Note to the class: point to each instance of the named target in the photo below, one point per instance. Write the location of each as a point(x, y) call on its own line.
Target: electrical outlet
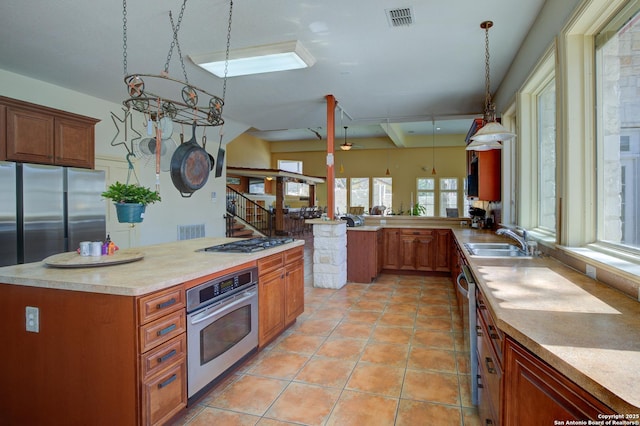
point(591, 271)
point(32, 316)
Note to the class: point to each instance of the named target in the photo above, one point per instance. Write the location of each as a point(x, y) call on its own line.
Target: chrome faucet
point(522, 240)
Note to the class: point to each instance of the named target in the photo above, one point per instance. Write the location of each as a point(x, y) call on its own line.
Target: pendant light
point(492, 132)
point(433, 147)
point(345, 146)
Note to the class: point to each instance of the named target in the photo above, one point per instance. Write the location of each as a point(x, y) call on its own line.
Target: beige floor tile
point(317, 327)
point(435, 310)
point(399, 308)
point(412, 413)
point(433, 339)
point(403, 319)
point(300, 343)
point(303, 403)
point(433, 323)
point(369, 305)
point(386, 334)
point(269, 422)
point(356, 408)
point(367, 317)
point(408, 290)
point(279, 364)
point(381, 297)
point(430, 386)
point(213, 416)
point(346, 349)
point(328, 313)
point(250, 394)
point(354, 330)
point(330, 372)
point(422, 358)
point(378, 379)
point(387, 354)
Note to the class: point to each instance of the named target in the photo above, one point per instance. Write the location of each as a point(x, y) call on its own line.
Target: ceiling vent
point(400, 17)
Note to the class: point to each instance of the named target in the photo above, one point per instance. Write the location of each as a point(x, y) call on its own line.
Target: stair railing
point(249, 211)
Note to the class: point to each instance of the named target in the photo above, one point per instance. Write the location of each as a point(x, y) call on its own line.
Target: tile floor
point(386, 353)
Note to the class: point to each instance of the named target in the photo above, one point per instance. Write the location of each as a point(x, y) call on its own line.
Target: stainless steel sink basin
point(495, 250)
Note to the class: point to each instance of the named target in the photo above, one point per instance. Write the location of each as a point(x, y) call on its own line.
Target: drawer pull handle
point(167, 330)
point(492, 332)
point(479, 381)
point(479, 331)
point(166, 356)
point(488, 422)
point(490, 367)
point(167, 382)
point(166, 304)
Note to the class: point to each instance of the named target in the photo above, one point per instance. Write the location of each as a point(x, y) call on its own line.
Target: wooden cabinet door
point(270, 306)
point(442, 258)
point(293, 291)
point(379, 251)
point(489, 175)
point(407, 252)
point(391, 243)
point(74, 143)
point(425, 248)
point(537, 394)
point(29, 136)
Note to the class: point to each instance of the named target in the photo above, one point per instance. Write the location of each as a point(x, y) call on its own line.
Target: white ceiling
point(380, 75)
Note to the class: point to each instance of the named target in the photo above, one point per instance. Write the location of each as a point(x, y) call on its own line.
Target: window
point(427, 195)
point(359, 193)
point(618, 131)
point(340, 196)
point(382, 191)
point(295, 189)
point(448, 195)
point(546, 101)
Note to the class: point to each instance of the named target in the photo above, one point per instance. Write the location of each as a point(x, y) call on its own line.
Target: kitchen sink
point(495, 250)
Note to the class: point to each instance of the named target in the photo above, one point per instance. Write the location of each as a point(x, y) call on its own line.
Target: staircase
point(245, 218)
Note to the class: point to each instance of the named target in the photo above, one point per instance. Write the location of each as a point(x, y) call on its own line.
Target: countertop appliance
point(466, 286)
point(46, 210)
point(353, 220)
point(250, 245)
point(222, 327)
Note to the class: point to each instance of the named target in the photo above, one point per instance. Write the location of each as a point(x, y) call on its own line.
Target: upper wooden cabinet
point(37, 134)
point(483, 169)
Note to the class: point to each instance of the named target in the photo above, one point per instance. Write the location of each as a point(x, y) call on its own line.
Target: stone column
point(329, 253)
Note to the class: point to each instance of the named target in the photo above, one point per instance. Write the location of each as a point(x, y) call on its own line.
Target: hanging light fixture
point(492, 132)
point(433, 147)
point(345, 146)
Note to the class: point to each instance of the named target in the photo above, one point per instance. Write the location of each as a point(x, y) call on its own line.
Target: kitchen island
point(110, 341)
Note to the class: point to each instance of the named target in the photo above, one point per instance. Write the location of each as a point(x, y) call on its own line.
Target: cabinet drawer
point(158, 304)
point(495, 336)
point(164, 395)
point(293, 255)
point(164, 356)
point(270, 263)
point(489, 368)
point(162, 330)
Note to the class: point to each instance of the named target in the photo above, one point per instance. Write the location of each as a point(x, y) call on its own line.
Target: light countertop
point(162, 266)
point(584, 329)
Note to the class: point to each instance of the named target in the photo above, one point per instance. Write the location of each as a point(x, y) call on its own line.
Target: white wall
point(161, 219)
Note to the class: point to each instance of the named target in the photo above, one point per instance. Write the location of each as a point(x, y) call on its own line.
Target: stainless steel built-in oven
point(222, 326)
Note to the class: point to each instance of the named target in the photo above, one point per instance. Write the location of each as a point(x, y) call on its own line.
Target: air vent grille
point(188, 232)
point(401, 17)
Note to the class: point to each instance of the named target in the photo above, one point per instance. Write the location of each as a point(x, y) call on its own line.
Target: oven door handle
point(461, 289)
point(248, 295)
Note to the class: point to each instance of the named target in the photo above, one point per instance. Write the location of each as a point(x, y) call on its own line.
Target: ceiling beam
point(395, 134)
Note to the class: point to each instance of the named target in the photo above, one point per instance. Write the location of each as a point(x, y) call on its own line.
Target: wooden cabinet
point(483, 169)
point(490, 368)
point(536, 394)
point(364, 255)
point(163, 354)
point(280, 293)
point(37, 134)
point(422, 250)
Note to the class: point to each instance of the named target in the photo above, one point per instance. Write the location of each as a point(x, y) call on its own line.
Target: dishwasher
point(466, 286)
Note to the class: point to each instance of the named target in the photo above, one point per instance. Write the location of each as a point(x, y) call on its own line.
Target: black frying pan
point(220, 159)
point(190, 166)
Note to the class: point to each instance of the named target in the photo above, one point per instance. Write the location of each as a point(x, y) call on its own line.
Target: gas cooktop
point(250, 245)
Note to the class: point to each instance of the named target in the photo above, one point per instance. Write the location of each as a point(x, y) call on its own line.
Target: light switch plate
point(32, 318)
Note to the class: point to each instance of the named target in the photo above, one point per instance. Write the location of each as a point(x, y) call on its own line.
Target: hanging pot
point(220, 159)
point(204, 145)
point(190, 166)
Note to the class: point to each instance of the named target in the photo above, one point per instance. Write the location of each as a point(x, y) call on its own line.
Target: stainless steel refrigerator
point(47, 210)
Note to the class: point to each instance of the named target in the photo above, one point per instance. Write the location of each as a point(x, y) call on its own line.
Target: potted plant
point(418, 210)
point(130, 200)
